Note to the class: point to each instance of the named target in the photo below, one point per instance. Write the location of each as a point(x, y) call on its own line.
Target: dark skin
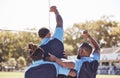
point(81, 52)
point(59, 23)
point(59, 20)
point(72, 73)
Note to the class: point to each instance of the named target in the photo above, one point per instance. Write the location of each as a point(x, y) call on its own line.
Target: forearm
point(94, 43)
point(64, 64)
point(59, 19)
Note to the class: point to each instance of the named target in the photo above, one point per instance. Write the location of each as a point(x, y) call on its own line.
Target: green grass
point(21, 75)
point(11, 75)
point(108, 76)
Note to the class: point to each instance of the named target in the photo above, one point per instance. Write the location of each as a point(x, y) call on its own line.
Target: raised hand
point(85, 34)
point(53, 9)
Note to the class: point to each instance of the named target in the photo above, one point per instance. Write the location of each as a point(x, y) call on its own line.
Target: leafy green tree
point(12, 44)
point(104, 30)
point(12, 62)
point(21, 62)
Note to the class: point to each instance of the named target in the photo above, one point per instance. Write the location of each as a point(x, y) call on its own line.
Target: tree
point(12, 62)
point(12, 44)
point(104, 30)
point(21, 62)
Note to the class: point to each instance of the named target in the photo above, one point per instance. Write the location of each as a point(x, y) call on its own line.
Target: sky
point(24, 14)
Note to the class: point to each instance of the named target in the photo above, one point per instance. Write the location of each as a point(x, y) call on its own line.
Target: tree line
point(104, 30)
point(12, 43)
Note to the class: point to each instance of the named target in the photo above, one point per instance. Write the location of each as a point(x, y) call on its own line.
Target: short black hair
point(43, 32)
point(87, 47)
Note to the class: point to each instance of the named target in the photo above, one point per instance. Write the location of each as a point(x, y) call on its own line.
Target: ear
point(82, 52)
point(39, 38)
point(48, 35)
point(42, 55)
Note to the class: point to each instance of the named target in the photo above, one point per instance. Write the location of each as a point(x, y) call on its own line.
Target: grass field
point(108, 76)
point(21, 75)
point(11, 75)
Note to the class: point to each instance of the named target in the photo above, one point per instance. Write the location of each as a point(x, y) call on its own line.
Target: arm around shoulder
point(67, 64)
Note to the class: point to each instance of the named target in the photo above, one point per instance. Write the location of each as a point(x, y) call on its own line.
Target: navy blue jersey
point(42, 71)
point(89, 69)
point(54, 47)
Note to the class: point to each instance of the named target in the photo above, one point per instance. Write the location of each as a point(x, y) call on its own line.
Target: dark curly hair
point(36, 52)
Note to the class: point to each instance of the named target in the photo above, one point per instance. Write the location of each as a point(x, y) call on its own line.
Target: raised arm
point(59, 19)
point(92, 41)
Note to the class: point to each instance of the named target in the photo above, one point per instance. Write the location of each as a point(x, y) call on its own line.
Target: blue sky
point(22, 14)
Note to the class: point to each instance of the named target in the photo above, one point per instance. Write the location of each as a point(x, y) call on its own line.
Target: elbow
point(73, 73)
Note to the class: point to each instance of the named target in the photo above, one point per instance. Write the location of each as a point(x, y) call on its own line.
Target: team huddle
point(50, 61)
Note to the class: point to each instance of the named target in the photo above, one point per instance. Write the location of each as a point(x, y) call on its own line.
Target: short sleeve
point(78, 64)
point(96, 56)
point(58, 33)
point(63, 70)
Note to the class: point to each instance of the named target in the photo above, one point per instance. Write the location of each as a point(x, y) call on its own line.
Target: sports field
point(21, 75)
point(11, 75)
